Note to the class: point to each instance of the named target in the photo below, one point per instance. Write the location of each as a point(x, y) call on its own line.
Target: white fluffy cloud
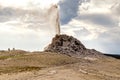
point(28, 4)
point(27, 24)
point(97, 25)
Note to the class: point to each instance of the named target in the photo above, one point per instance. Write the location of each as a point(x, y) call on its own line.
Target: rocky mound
point(70, 46)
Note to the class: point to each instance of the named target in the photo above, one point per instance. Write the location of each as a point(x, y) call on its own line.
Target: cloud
point(110, 41)
point(26, 40)
point(5, 14)
point(116, 9)
point(97, 25)
point(33, 19)
point(112, 5)
point(22, 26)
point(100, 19)
point(95, 36)
point(31, 22)
point(28, 4)
point(68, 10)
point(82, 32)
point(111, 35)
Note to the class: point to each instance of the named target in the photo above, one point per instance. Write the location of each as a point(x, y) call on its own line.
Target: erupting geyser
point(57, 22)
point(55, 18)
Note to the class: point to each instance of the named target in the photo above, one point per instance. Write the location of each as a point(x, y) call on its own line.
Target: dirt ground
point(69, 72)
point(47, 74)
point(105, 68)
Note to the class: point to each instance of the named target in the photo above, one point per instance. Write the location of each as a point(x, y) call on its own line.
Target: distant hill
point(113, 55)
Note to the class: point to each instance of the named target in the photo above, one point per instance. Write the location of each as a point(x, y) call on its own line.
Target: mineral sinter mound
point(70, 46)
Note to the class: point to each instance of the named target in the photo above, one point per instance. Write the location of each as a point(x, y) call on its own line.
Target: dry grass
point(17, 69)
point(105, 68)
point(17, 62)
point(11, 54)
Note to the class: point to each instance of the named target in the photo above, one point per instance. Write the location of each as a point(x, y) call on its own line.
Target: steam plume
point(55, 15)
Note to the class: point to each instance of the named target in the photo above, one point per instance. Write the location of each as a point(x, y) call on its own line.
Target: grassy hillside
point(54, 66)
point(18, 61)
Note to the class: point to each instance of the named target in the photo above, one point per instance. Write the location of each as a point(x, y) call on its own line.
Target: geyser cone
point(70, 46)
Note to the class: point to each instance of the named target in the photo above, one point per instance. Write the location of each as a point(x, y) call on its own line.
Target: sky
point(30, 24)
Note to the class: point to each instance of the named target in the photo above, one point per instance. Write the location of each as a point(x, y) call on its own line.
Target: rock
point(70, 46)
point(52, 72)
point(83, 71)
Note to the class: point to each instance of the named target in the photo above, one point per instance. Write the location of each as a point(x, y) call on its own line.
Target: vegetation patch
point(20, 62)
point(17, 69)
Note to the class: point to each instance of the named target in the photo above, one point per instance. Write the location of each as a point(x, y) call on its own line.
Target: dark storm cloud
point(68, 10)
point(99, 19)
